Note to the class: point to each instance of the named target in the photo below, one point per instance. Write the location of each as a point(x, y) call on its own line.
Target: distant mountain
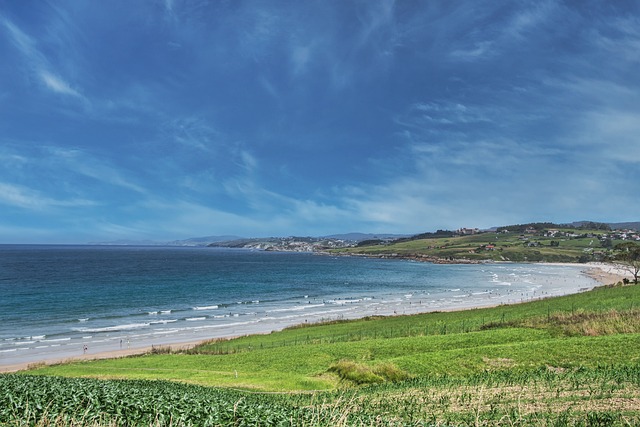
point(625, 225)
point(613, 225)
point(194, 241)
point(127, 242)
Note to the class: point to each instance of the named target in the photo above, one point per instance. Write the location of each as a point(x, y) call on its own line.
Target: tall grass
point(604, 395)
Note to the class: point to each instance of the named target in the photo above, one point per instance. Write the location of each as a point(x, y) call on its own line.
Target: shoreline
point(600, 273)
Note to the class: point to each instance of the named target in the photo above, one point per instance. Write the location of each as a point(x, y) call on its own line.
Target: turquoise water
point(58, 299)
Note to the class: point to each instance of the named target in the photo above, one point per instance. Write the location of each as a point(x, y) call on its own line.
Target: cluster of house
point(467, 231)
point(611, 235)
point(627, 235)
point(293, 244)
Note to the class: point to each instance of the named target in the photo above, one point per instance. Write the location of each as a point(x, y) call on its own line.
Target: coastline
point(600, 273)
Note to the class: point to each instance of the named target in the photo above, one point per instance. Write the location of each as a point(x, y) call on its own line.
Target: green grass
point(569, 360)
point(523, 336)
point(309, 367)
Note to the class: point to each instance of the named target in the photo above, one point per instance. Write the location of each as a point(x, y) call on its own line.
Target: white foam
point(116, 328)
point(194, 319)
point(164, 332)
point(163, 322)
point(207, 307)
point(296, 308)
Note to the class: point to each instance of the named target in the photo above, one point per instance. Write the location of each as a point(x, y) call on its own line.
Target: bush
point(358, 373)
point(390, 372)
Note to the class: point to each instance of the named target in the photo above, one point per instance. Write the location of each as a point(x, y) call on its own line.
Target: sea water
point(62, 301)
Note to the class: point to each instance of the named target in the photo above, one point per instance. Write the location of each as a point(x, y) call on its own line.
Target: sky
point(171, 119)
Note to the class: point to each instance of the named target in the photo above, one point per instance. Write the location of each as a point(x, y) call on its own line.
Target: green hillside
point(546, 244)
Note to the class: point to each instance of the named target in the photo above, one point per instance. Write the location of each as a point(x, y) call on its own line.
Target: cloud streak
point(37, 61)
point(57, 85)
point(27, 198)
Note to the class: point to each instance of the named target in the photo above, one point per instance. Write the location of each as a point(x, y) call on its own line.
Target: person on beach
point(84, 349)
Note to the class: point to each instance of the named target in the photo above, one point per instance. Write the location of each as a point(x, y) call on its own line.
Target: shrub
point(354, 372)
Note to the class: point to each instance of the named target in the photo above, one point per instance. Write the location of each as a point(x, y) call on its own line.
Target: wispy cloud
point(603, 117)
point(180, 218)
point(22, 41)
point(40, 65)
point(192, 132)
point(57, 85)
point(496, 30)
point(530, 18)
point(83, 163)
point(481, 49)
point(27, 198)
point(444, 113)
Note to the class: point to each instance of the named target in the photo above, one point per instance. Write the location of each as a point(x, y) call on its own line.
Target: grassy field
point(511, 246)
point(570, 360)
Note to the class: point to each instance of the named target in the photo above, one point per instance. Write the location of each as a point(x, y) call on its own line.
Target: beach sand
point(607, 274)
point(94, 356)
point(602, 273)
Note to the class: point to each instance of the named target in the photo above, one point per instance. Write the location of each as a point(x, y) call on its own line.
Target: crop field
point(603, 396)
point(571, 360)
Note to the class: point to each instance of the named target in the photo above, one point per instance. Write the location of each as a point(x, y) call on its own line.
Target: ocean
point(62, 301)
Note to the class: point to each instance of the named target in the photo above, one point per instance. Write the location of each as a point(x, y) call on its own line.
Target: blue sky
point(174, 119)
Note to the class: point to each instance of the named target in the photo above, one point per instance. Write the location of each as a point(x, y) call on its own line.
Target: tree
point(629, 257)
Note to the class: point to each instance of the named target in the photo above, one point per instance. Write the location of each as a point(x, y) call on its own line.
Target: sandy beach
point(607, 274)
point(601, 273)
point(94, 356)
